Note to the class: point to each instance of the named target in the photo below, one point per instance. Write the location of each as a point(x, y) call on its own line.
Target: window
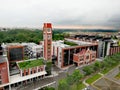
point(44, 37)
point(49, 36)
point(93, 56)
point(87, 57)
point(81, 59)
point(39, 70)
point(26, 73)
point(22, 74)
point(31, 72)
point(0, 82)
point(34, 71)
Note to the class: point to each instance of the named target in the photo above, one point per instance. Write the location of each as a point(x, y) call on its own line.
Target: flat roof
point(29, 63)
point(70, 43)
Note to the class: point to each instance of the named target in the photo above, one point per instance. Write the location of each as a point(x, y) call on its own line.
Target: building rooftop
point(78, 42)
point(30, 63)
point(70, 43)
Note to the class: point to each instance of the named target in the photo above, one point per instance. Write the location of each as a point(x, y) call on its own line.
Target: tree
point(97, 66)
point(63, 85)
point(77, 75)
point(88, 70)
point(48, 67)
point(74, 78)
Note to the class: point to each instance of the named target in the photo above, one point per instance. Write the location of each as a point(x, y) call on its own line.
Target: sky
point(61, 13)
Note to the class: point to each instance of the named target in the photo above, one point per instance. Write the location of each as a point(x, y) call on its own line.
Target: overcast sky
point(33, 13)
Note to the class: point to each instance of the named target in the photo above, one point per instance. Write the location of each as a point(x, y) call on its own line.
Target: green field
point(93, 78)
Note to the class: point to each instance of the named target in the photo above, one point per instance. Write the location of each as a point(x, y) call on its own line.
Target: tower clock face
point(49, 30)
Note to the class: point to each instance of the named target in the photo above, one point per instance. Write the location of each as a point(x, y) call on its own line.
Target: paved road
point(111, 75)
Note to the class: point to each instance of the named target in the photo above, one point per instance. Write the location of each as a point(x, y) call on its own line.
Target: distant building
point(47, 36)
point(84, 57)
point(104, 43)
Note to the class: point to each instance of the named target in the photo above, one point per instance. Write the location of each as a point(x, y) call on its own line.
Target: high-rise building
point(47, 36)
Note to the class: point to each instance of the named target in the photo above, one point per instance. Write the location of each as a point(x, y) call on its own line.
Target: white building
point(33, 50)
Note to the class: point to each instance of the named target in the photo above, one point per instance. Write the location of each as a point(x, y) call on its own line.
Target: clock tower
point(47, 36)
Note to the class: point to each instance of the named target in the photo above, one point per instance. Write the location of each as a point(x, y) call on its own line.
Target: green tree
point(63, 85)
point(97, 66)
point(88, 70)
point(48, 67)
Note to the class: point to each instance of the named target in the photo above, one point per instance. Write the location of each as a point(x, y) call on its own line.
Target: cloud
point(33, 13)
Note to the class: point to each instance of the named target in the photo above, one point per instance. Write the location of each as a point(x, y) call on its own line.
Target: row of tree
point(26, 35)
point(107, 63)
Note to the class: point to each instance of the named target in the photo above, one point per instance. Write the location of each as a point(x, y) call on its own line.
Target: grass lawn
point(117, 76)
point(80, 86)
point(93, 78)
point(30, 64)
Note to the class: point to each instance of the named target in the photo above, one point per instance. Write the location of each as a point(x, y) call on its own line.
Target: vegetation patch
point(30, 63)
point(47, 88)
point(117, 76)
point(71, 82)
point(70, 43)
point(93, 78)
point(78, 86)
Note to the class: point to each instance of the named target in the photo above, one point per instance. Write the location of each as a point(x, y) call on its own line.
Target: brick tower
point(47, 36)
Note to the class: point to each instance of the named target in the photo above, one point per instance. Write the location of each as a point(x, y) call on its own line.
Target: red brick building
point(47, 36)
point(65, 52)
point(84, 57)
point(114, 49)
point(4, 75)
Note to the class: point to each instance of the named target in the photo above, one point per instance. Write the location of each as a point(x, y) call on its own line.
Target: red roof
point(83, 51)
point(47, 25)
